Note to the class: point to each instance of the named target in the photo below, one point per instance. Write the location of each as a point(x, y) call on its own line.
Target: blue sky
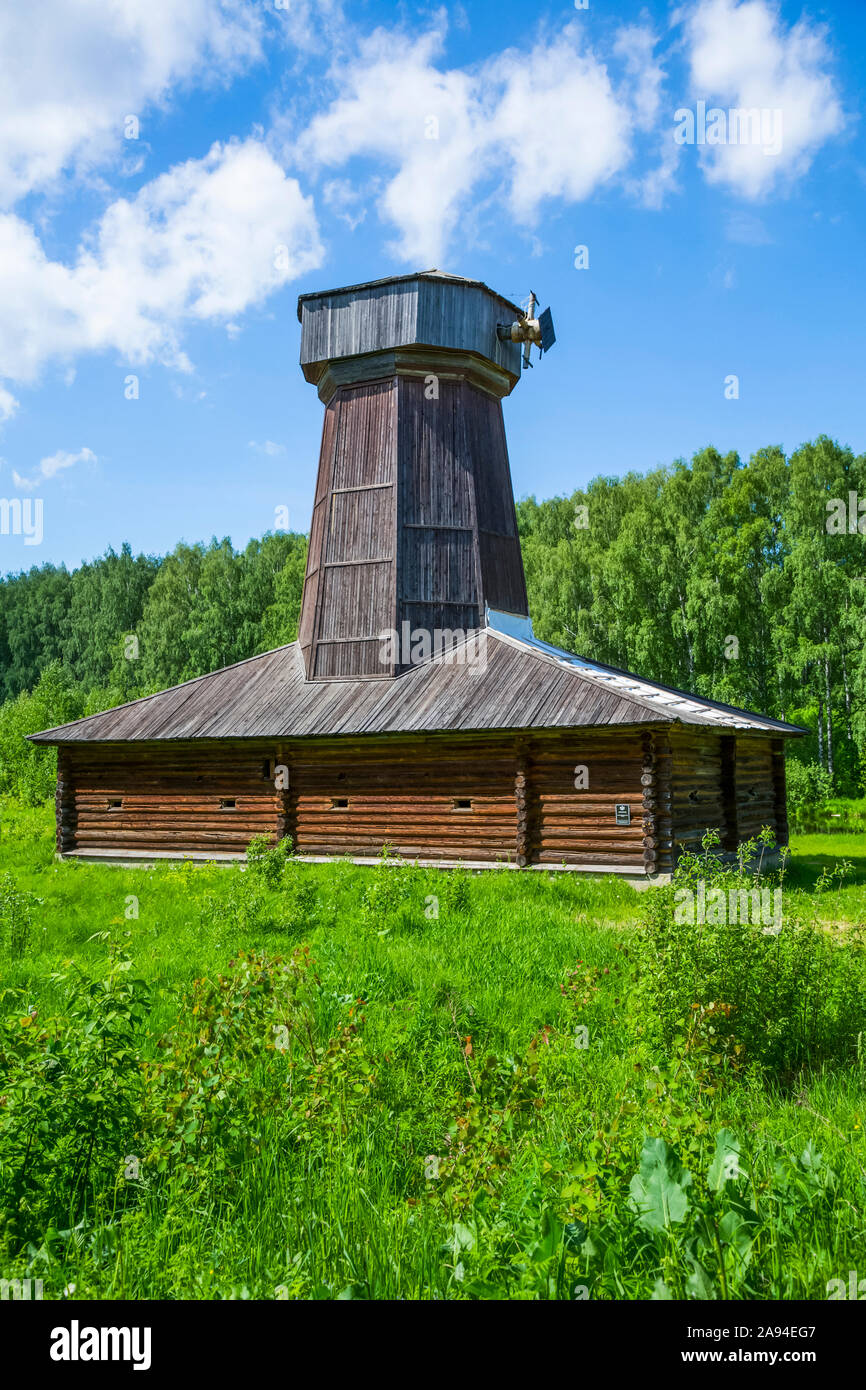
point(280, 148)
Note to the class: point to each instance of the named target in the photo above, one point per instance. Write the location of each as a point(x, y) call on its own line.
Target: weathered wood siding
point(696, 784)
point(450, 313)
point(503, 584)
point(579, 827)
point(756, 798)
point(413, 522)
point(480, 798)
point(407, 797)
point(731, 783)
point(349, 590)
point(170, 798)
point(438, 574)
point(458, 542)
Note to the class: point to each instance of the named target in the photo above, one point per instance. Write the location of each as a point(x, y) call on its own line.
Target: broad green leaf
point(725, 1166)
point(661, 1292)
point(699, 1284)
point(659, 1190)
point(738, 1229)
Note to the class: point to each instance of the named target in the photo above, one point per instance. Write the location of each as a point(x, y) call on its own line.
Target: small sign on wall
point(623, 813)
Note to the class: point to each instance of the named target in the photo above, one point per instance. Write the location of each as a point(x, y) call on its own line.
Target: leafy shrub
point(231, 1062)
point(340, 1084)
point(243, 1064)
point(456, 891)
point(505, 1093)
point(705, 1230)
point(783, 994)
point(27, 770)
point(69, 1094)
point(809, 785)
point(267, 862)
point(16, 916)
point(272, 895)
point(391, 899)
point(300, 901)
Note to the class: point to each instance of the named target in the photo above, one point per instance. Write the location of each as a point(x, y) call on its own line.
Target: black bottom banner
point(47, 1342)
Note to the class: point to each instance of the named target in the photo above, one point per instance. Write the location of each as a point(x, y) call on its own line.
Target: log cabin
point(417, 710)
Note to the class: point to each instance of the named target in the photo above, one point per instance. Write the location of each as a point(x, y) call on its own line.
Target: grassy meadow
point(327, 1081)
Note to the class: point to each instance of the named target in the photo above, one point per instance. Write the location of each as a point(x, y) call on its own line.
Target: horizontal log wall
point(170, 797)
point(404, 795)
point(524, 806)
point(756, 791)
point(726, 782)
point(697, 789)
point(578, 826)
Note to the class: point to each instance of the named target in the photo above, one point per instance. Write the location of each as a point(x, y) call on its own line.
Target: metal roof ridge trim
point(665, 696)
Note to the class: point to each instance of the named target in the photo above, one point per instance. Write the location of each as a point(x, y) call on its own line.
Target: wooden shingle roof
point(513, 684)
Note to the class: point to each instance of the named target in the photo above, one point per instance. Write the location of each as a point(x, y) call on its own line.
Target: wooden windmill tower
point(413, 524)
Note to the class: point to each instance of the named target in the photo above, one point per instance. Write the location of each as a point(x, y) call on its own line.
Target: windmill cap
point(420, 318)
point(433, 274)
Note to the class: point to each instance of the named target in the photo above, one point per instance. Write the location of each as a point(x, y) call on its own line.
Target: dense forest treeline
point(197, 609)
point(743, 582)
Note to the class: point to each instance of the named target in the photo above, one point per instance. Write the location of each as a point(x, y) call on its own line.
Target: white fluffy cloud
point(8, 405)
point(635, 45)
point(545, 124)
point(434, 149)
point(52, 465)
point(204, 241)
point(72, 70)
point(313, 25)
point(741, 55)
point(645, 75)
point(560, 121)
point(269, 448)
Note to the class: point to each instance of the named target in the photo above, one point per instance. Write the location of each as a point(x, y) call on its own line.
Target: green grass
point(815, 856)
point(329, 1198)
point(839, 815)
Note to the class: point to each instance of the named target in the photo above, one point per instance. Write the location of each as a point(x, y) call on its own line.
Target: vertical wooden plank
point(523, 799)
point(779, 791)
point(64, 803)
point(730, 812)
